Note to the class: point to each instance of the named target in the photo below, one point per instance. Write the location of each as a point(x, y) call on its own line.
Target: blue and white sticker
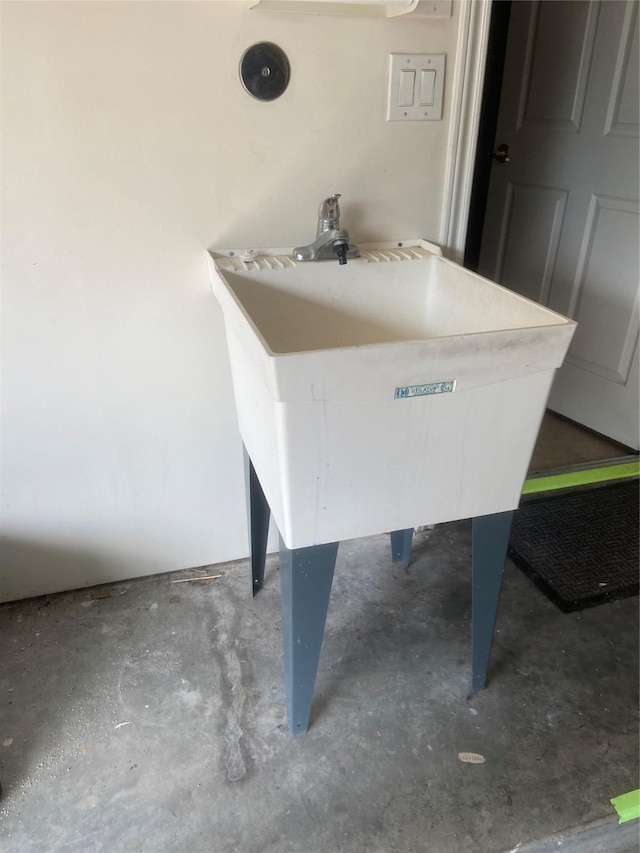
point(446, 387)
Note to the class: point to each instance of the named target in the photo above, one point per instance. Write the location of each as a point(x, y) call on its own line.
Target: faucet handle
point(329, 214)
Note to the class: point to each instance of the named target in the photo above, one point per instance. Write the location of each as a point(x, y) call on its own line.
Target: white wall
point(128, 147)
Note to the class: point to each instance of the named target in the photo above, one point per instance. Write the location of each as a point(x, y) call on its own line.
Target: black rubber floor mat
point(580, 549)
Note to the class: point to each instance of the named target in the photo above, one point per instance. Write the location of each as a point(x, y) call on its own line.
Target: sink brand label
point(446, 387)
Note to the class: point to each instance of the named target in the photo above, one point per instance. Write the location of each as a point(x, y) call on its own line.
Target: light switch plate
point(428, 88)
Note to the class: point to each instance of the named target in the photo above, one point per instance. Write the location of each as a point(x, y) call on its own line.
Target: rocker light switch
point(416, 86)
point(407, 86)
point(427, 87)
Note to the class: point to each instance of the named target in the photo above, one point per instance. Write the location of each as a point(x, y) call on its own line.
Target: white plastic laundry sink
point(398, 390)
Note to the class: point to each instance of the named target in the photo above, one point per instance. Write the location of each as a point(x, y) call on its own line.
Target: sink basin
point(396, 391)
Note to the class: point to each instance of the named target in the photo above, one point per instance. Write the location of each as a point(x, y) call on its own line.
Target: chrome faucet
point(331, 240)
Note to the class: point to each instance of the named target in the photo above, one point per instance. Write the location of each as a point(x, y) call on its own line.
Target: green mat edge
point(570, 479)
point(627, 806)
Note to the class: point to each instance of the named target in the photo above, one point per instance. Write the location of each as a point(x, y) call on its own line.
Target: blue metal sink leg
point(258, 514)
point(305, 586)
point(401, 541)
point(489, 552)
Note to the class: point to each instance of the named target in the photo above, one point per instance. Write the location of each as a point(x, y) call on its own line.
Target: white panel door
point(562, 222)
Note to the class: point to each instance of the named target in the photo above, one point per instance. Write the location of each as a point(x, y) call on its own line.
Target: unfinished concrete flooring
point(150, 716)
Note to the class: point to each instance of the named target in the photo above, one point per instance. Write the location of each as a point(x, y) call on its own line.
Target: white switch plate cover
point(399, 62)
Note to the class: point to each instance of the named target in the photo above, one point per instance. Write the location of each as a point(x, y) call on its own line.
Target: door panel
point(561, 224)
point(608, 254)
point(563, 72)
point(539, 210)
point(624, 103)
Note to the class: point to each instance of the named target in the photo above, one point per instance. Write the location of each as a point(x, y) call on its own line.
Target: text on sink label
point(446, 387)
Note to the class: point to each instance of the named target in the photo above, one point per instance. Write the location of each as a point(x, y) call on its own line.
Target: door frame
point(466, 103)
point(491, 99)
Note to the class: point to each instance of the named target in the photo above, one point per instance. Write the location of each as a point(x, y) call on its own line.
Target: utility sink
point(395, 391)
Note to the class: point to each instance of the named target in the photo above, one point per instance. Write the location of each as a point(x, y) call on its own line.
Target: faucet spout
point(341, 251)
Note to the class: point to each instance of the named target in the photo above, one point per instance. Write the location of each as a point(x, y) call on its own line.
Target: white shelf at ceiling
point(363, 8)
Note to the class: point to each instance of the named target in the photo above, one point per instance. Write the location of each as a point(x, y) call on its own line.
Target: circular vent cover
point(265, 71)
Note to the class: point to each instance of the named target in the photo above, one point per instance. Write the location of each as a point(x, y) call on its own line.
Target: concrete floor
point(149, 716)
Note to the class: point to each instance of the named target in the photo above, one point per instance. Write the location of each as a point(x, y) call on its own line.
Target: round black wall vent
point(265, 71)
